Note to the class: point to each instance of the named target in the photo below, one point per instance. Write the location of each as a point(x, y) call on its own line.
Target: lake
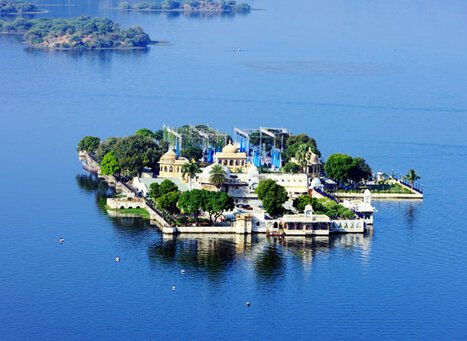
point(381, 80)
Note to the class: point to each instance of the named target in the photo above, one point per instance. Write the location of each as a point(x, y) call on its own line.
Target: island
point(9, 7)
point(81, 33)
point(196, 179)
point(188, 6)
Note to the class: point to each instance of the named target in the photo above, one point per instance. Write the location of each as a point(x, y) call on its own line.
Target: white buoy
point(248, 303)
point(182, 272)
point(61, 240)
point(239, 49)
point(173, 287)
point(117, 259)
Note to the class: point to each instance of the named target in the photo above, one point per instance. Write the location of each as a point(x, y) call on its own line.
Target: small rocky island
point(188, 6)
point(81, 33)
point(8, 7)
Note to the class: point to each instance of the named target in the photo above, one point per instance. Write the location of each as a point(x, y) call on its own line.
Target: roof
point(301, 218)
point(180, 184)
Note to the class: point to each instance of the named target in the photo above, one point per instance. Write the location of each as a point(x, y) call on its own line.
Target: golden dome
point(170, 156)
point(230, 148)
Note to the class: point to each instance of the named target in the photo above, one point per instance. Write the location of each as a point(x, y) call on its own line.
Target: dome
point(207, 171)
point(230, 148)
point(316, 182)
point(170, 156)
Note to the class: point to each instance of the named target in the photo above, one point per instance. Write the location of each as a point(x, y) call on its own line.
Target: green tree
point(411, 177)
point(302, 201)
point(217, 176)
point(216, 203)
point(291, 167)
point(155, 190)
point(110, 165)
point(337, 167)
point(168, 186)
point(360, 170)
point(89, 144)
point(192, 153)
point(134, 153)
point(301, 155)
point(293, 143)
point(192, 202)
point(169, 202)
point(145, 132)
point(159, 135)
point(272, 195)
point(190, 170)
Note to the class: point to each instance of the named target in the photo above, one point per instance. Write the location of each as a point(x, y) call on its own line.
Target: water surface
point(382, 80)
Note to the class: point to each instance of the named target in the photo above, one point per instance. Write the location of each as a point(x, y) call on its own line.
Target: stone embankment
point(414, 195)
point(156, 218)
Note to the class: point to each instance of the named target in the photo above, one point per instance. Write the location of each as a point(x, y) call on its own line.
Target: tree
point(133, 153)
point(216, 203)
point(343, 168)
point(323, 206)
point(192, 153)
point(291, 167)
point(412, 176)
point(190, 170)
point(110, 165)
point(360, 170)
point(301, 155)
point(337, 167)
point(272, 195)
point(89, 144)
point(169, 202)
point(192, 202)
point(155, 190)
point(217, 176)
point(168, 186)
point(293, 143)
point(145, 132)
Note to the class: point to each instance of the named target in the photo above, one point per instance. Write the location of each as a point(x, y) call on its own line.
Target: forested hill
point(187, 6)
point(17, 7)
point(76, 33)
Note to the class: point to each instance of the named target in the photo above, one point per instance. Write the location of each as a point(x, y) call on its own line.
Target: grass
point(389, 188)
point(140, 212)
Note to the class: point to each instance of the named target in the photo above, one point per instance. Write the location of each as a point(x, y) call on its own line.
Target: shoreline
point(24, 13)
point(129, 48)
point(181, 10)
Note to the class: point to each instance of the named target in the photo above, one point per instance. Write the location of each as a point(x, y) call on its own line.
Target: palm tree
point(217, 175)
point(302, 156)
point(411, 176)
point(189, 170)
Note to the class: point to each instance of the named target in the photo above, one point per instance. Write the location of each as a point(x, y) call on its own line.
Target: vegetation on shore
point(140, 212)
point(128, 156)
point(83, 33)
point(346, 169)
point(187, 6)
point(8, 7)
point(272, 196)
point(323, 206)
point(188, 204)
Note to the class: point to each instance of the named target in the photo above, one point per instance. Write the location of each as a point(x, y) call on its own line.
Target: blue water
point(378, 79)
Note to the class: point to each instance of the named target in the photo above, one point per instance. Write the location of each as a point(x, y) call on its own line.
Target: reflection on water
point(411, 211)
point(216, 255)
